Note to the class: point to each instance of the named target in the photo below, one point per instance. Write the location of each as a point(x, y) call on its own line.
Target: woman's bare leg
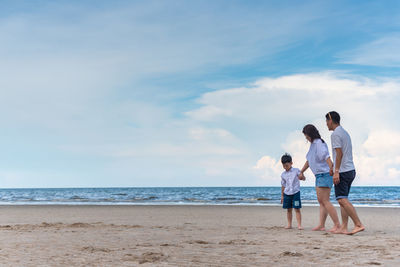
point(324, 193)
point(322, 212)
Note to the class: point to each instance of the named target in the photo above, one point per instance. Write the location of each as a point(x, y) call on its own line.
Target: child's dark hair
point(286, 158)
point(334, 116)
point(311, 131)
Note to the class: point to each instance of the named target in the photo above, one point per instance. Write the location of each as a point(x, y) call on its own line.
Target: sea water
point(359, 196)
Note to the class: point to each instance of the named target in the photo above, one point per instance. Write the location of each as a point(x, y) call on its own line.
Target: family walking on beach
point(339, 171)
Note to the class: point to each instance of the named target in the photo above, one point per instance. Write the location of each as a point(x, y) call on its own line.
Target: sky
point(193, 93)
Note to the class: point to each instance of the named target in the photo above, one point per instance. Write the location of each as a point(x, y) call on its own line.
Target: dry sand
point(189, 236)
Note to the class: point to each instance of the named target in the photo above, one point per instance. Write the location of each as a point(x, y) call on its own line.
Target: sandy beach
point(189, 236)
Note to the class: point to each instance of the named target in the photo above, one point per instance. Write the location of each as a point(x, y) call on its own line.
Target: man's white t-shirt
point(290, 180)
point(341, 139)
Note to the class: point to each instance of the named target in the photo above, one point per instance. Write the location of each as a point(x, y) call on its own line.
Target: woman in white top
point(320, 163)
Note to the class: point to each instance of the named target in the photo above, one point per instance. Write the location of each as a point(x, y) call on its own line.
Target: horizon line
point(128, 187)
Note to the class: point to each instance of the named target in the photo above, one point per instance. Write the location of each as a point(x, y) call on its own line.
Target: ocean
point(359, 195)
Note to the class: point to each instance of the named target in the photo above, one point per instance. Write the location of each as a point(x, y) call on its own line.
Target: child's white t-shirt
point(290, 180)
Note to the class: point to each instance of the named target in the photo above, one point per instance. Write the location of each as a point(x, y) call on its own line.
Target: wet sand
point(189, 236)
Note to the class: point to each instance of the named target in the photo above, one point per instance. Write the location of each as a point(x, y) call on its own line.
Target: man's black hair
point(286, 158)
point(334, 116)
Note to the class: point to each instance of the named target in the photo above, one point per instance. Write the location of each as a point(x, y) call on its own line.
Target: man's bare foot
point(319, 228)
point(300, 228)
point(357, 229)
point(288, 227)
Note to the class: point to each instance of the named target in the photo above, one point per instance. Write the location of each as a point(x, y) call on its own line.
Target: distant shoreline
point(177, 205)
point(180, 187)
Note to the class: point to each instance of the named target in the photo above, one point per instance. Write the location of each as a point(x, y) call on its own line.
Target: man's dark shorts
point(342, 189)
point(292, 201)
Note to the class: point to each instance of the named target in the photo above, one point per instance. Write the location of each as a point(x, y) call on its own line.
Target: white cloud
point(384, 51)
point(305, 96)
point(290, 102)
point(328, 82)
point(377, 160)
point(267, 168)
point(383, 143)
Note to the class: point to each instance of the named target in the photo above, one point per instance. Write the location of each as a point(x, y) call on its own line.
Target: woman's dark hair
point(311, 131)
point(286, 158)
point(334, 116)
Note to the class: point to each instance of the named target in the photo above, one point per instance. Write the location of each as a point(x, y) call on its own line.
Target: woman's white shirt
point(317, 156)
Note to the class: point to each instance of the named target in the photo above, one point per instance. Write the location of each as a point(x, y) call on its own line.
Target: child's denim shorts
point(292, 201)
point(323, 180)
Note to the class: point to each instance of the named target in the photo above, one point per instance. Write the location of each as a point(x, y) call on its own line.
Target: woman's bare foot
point(288, 227)
point(319, 228)
point(334, 229)
point(300, 228)
point(342, 231)
point(357, 229)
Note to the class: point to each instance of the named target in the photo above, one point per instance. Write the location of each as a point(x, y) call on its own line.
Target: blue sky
point(192, 93)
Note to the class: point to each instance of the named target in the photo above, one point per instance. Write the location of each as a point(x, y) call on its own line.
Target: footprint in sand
point(374, 263)
point(169, 245)
point(234, 242)
point(94, 249)
point(199, 242)
point(147, 257)
point(291, 254)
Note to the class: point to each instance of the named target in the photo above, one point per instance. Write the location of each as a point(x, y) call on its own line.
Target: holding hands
point(301, 176)
point(335, 173)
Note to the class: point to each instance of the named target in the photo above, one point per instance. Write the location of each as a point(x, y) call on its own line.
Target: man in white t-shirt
point(344, 172)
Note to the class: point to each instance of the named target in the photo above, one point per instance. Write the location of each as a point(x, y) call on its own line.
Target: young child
point(291, 190)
